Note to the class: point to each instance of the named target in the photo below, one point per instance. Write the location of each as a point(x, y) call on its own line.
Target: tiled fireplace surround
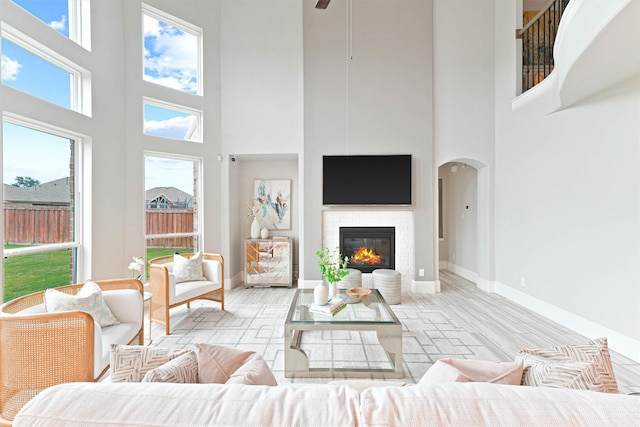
point(402, 220)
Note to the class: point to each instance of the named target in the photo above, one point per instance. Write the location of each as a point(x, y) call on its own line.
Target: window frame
point(80, 78)
point(198, 215)
point(79, 142)
point(173, 106)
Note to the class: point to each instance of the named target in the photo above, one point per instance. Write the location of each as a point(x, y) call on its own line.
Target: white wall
point(261, 119)
point(568, 203)
point(463, 80)
point(378, 102)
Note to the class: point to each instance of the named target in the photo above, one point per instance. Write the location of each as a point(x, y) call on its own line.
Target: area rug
point(428, 335)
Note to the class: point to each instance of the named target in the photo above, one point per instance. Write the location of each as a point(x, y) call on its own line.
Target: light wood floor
point(502, 326)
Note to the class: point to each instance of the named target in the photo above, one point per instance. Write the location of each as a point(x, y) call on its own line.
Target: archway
point(465, 221)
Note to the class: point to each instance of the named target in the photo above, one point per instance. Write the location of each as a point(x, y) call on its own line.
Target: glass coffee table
point(372, 313)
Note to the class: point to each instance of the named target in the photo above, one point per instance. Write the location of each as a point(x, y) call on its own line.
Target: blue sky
point(169, 60)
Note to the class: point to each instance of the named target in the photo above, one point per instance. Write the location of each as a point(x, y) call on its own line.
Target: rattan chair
point(168, 294)
point(40, 349)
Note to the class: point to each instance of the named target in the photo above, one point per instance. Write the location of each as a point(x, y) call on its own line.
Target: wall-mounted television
point(366, 180)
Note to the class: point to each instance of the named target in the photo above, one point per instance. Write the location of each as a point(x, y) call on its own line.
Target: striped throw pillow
point(130, 363)
point(182, 369)
point(594, 353)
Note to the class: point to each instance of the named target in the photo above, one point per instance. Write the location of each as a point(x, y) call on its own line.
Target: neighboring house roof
point(171, 194)
point(50, 193)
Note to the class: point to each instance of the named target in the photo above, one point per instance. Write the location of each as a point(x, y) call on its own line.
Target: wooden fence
point(52, 224)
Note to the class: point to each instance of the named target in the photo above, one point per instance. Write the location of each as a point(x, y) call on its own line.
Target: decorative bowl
point(358, 292)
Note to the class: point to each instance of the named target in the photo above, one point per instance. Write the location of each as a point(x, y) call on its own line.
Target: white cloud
point(10, 68)
point(170, 56)
point(59, 25)
point(175, 127)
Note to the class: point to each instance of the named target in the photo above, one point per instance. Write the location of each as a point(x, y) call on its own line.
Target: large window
point(172, 51)
point(33, 68)
point(172, 205)
point(40, 200)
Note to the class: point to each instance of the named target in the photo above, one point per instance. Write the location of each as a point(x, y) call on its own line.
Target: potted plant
point(333, 268)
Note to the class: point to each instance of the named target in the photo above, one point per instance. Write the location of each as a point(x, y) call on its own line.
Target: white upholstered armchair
point(172, 288)
point(40, 348)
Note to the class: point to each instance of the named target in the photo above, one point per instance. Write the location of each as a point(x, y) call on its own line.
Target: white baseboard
point(486, 285)
point(622, 344)
point(233, 282)
point(424, 286)
point(471, 276)
point(308, 284)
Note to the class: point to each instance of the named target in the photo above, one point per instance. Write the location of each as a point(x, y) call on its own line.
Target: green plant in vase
point(333, 267)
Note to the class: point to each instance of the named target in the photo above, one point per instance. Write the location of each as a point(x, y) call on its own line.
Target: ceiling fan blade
point(322, 4)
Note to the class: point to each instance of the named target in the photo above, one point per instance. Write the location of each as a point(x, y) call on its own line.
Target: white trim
point(486, 285)
point(471, 276)
point(425, 286)
point(308, 284)
point(622, 344)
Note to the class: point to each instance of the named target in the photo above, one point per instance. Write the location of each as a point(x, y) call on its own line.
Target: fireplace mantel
point(401, 220)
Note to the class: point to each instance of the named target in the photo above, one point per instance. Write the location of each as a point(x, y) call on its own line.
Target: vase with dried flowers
point(255, 225)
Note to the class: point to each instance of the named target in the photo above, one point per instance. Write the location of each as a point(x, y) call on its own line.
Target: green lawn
point(26, 274)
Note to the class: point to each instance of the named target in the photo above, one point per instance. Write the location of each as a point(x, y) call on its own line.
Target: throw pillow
point(88, 299)
point(183, 369)
point(188, 269)
point(130, 363)
point(463, 370)
point(226, 365)
point(595, 352)
point(579, 375)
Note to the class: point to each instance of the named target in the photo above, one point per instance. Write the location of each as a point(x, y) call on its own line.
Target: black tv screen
point(366, 180)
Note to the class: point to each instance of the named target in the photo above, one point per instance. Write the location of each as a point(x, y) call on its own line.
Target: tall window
point(172, 51)
point(172, 205)
point(40, 199)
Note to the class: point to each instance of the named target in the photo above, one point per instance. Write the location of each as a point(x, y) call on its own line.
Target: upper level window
point(172, 51)
point(171, 121)
point(54, 13)
point(69, 17)
point(33, 68)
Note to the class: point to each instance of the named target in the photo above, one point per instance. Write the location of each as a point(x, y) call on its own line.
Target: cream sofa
point(449, 404)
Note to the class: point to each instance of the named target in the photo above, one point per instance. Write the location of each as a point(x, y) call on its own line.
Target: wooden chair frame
point(44, 349)
point(159, 286)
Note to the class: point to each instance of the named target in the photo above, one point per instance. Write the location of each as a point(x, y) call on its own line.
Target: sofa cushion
point(164, 404)
point(463, 370)
point(88, 299)
point(595, 353)
point(188, 269)
point(183, 369)
point(227, 365)
point(130, 363)
point(486, 404)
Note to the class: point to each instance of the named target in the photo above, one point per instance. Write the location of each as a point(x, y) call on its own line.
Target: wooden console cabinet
point(268, 262)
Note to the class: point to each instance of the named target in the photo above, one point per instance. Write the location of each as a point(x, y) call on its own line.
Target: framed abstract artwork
point(272, 197)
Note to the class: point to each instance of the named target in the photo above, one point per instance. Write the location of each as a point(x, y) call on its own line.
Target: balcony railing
point(538, 37)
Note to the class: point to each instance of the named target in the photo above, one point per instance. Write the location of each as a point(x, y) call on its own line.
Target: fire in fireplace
point(368, 248)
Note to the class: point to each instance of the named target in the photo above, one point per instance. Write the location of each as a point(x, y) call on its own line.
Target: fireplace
point(369, 248)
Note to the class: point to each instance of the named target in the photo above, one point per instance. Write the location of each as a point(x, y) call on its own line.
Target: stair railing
point(538, 37)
